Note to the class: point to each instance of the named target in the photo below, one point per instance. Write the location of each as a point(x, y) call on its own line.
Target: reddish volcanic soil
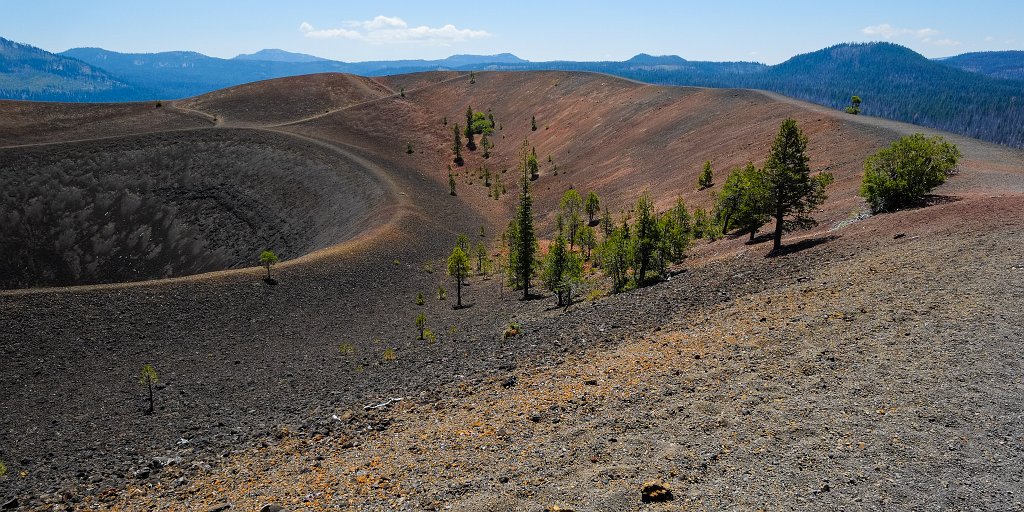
point(875, 366)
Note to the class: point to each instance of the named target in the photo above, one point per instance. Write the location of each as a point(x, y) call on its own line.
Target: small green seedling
point(268, 259)
point(148, 377)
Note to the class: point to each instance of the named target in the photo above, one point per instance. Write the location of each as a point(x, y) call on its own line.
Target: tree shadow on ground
point(759, 239)
point(929, 200)
point(533, 296)
point(801, 245)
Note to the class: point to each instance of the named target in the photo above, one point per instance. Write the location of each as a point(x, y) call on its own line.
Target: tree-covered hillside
point(897, 83)
point(29, 73)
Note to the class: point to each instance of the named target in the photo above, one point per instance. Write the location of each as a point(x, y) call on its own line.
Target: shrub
point(420, 300)
point(513, 329)
point(346, 348)
point(442, 294)
point(389, 354)
point(429, 336)
point(854, 107)
point(901, 175)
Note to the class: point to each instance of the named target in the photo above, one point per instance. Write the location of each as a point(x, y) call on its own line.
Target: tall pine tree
point(792, 192)
point(522, 239)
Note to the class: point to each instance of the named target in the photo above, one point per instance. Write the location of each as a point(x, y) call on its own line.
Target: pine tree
point(480, 251)
point(706, 178)
point(470, 142)
point(854, 107)
point(421, 324)
point(533, 123)
point(615, 258)
point(268, 259)
point(522, 239)
point(457, 147)
point(148, 377)
point(587, 240)
point(563, 271)
point(458, 269)
point(792, 191)
point(646, 239)
point(592, 206)
point(572, 208)
point(532, 165)
point(606, 223)
point(742, 203)
point(674, 226)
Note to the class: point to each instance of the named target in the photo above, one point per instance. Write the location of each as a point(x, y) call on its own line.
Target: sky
point(722, 30)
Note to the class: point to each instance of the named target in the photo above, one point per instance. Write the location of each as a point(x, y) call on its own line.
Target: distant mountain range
point(976, 94)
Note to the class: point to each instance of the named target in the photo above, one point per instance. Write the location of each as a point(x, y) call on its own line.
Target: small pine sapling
point(148, 377)
point(421, 324)
point(419, 299)
point(706, 178)
point(268, 259)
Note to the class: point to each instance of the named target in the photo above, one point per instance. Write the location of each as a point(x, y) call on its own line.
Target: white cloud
point(332, 33)
point(394, 30)
point(379, 22)
point(925, 35)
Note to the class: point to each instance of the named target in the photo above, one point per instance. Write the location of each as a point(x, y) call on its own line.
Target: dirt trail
point(362, 104)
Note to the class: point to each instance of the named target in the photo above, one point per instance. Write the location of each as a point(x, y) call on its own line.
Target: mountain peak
point(278, 55)
point(644, 59)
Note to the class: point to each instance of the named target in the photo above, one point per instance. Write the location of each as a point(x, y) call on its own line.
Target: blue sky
point(536, 30)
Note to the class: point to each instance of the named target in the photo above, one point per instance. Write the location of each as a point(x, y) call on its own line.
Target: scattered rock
point(220, 507)
point(271, 507)
point(509, 382)
point(556, 508)
point(162, 462)
point(10, 504)
point(142, 473)
point(655, 492)
point(897, 236)
point(590, 382)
